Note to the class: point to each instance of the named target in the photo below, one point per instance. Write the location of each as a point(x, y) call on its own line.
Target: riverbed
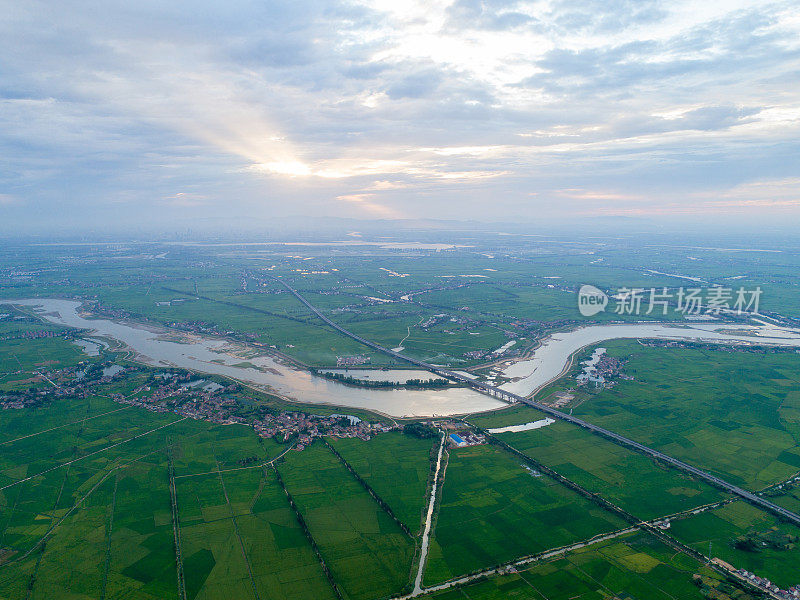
point(550, 359)
point(158, 347)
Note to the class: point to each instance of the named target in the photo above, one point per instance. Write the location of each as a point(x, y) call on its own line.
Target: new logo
point(591, 300)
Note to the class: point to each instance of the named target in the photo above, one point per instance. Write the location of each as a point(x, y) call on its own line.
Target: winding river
point(550, 359)
point(157, 346)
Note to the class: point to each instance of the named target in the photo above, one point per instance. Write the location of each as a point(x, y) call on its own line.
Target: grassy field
point(493, 510)
point(21, 359)
point(736, 414)
point(772, 549)
point(633, 566)
point(240, 538)
point(396, 466)
point(630, 480)
point(95, 513)
point(367, 552)
point(85, 502)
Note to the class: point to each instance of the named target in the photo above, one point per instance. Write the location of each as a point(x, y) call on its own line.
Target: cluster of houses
point(285, 425)
point(352, 361)
point(765, 584)
point(24, 334)
point(184, 394)
point(601, 369)
point(72, 382)
point(173, 395)
point(214, 403)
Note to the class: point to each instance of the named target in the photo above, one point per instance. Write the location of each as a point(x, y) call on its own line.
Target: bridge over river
point(512, 398)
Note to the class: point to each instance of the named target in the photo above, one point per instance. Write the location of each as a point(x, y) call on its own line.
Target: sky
point(152, 113)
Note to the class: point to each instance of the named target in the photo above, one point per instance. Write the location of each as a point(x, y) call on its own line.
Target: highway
point(509, 397)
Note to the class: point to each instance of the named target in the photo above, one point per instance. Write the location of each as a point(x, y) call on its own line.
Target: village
point(187, 395)
point(766, 584)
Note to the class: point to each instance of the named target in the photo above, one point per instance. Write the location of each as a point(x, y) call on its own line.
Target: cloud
point(491, 15)
point(366, 206)
point(487, 108)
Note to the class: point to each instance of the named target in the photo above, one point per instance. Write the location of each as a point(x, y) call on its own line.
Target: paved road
point(514, 398)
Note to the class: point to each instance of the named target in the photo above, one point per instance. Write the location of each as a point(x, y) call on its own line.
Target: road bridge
point(510, 397)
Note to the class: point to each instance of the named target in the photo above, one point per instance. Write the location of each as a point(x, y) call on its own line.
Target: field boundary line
point(90, 454)
point(83, 420)
point(506, 567)
point(35, 574)
point(646, 526)
point(236, 530)
point(258, 466)
point(304, 526)
point(49, 532)
point(110, 530)
point(378, 500)
point(176, 527)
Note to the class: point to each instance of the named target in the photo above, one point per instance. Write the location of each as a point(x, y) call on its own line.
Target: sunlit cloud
point(578, 194)
point(385, 185)
point(366, 206)
point(751, 197)
point(527, 108)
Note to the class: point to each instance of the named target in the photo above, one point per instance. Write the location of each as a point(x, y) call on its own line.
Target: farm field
point(22, 358)
point(632, 481)
point(493, 510)
point(736, 414)
point(87, 483)
point(631, 566)
point(397, 467)
point(367, 552)
point(241, 538)
point(746, 537)
point(100, 494)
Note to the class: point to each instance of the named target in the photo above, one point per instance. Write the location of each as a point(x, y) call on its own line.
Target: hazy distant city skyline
point(145, 112)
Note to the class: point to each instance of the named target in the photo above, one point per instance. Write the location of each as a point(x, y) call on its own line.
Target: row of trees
point(414, 383)
point(381, 502)
point(304, 527)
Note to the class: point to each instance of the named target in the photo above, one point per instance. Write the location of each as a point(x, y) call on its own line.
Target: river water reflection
point(214, 356)
point(219, 357)
point(551, 357)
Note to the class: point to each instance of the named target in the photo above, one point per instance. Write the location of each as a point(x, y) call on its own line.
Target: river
point(219, 357)
point(156, 346)
point(549, 359)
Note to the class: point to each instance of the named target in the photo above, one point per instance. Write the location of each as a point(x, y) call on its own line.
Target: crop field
point(22, 359)
point(527, 289)
point(746, 537)
point(788, 496)
point(367, 552)
point(494, 510)
point(240, 538)
point(513, 415)
point(630, 480)
point(274, 319)
point(736, 414)
point(85, 507)
point(631, 566)
point(397, 467)
point(87, 484)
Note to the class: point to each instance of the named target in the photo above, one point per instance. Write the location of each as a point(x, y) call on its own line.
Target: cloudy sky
point(156, 111)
